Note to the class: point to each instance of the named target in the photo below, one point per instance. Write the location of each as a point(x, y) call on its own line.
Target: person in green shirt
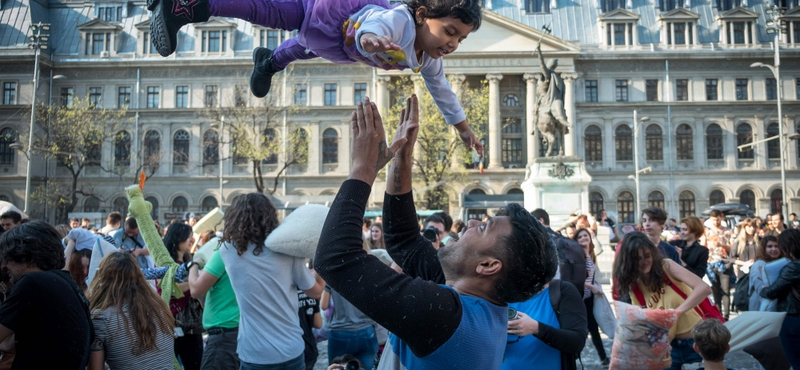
point(221, 312)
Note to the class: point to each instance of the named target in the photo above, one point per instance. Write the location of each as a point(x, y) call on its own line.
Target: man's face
point(85, 224)
point(460, 258)
point(7, 223)
point(73, 224)
point(716, 221)
point(671, 223)
point(651, 227)
point(793, 217)
point(775, 221)
point(15, 270)
point(131, 233)
point(440, 227)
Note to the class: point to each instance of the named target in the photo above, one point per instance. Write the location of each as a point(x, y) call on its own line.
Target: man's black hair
point(656, 214)
point(529, 260)
point(33, 243)
point(74, 219)
point(14, 216)
point(114, 217)
point(467, 11)
point(540, 213)
point(131, 224)
point(448, 221)
point(435, 218)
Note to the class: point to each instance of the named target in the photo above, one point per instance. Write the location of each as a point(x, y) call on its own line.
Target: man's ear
point(489, 266)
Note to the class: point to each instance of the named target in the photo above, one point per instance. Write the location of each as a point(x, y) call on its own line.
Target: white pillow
point(298, 234)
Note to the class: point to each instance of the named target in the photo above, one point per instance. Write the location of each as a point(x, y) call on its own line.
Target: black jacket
point(788, 280)
point(571, 259)
point(694, 257)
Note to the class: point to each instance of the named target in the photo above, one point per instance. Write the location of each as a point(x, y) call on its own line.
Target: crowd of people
point(506, 292)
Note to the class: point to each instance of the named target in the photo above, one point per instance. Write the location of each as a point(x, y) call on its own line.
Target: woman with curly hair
point(641, 271)
point(266, 285)
point(133, 326)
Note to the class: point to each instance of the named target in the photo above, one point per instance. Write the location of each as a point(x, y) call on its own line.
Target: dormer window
point(214, 37)
point(537, 6)
point(268, 38)
point(109, 13)
point(678, 27)
point(144, 44)
point(791, 20)
point(618, 28)
point(725, 5)
point(738, 27)
point(611, 5)
point(99, 38)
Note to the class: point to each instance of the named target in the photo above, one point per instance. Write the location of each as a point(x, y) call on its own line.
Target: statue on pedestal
point(549, 115)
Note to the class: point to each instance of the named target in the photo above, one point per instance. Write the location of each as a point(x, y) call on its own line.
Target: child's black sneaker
point(168, 18)
point(263, 69)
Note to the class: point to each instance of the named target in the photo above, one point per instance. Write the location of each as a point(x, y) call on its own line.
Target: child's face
point(440, 36)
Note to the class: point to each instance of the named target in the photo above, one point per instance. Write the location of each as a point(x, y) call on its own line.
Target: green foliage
point(438, 144)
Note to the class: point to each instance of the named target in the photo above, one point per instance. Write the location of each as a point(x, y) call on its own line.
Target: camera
point(512, 314)
point(430, 233)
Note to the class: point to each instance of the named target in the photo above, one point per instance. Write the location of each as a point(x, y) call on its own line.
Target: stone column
point(609, 147)
point(456, 82)
point(530, 102)
point(698, 142)
point(729, 144)
point(495, 126)
point(760, 131)
point(419, 84)
point(569, 106)
point(382, 95)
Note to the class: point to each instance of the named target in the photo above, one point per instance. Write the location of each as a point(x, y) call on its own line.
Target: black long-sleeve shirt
point(694, 256)
point(421, 313)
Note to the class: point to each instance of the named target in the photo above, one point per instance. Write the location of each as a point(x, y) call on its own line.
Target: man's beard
point(451, 263)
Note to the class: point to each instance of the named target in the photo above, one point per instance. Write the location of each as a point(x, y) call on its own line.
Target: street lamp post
point(39, 39)
point(774, 27)
point(221, 137)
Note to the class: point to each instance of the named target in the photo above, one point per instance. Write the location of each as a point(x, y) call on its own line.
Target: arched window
point(654, 143)
point(240, 146)
point(180, 150)
point(773, 146)
point(152, 149)
point(776, 201)
point(154, 212)
point(714, 142)
point(94, 150)
point(210, 147)
point(623, 143)
point(716, 197)
point(593, 140)
point(510, 100)
point(121, 205)
point(330, 146)
point(299, 151)
point(749, 198)
point(684, 142)
point(92, 204)
point(515, 191)
point(476, 213)
point(7, 137)
point(271, 146)
point(122, 149)
point(596, 202)
point(180, 205)
point(625, 207)
point(655, 199)
point(744, 135)
point(686, 204)
point(208, 204)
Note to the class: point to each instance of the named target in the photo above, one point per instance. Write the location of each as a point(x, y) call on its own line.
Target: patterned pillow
point(641, 340)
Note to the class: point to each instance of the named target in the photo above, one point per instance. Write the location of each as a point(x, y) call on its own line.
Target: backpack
point(571, 260)
point(567, 359)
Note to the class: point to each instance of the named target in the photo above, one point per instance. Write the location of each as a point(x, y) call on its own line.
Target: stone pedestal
point(559, 185)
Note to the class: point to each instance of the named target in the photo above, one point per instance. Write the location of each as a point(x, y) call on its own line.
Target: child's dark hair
point(467, 11)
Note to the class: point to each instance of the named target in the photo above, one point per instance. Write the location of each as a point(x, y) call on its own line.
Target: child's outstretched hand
point(373, 43)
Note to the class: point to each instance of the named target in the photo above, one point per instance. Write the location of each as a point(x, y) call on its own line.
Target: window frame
point(330, 94)
point(590, 91)
point(10, 94)
point(621, 91)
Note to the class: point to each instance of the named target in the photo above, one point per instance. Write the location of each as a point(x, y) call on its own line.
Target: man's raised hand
point(369, 149)
point(408, 127)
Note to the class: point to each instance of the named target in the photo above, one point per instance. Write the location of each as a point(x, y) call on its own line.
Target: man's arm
point(378, 291)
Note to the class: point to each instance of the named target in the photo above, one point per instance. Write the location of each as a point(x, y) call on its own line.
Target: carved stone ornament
point(561, 171)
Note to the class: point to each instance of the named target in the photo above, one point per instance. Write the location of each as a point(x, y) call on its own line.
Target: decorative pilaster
point(456, 82)
point(530, 102)
point(382, 98)
point(569, 106)
point(495, 126)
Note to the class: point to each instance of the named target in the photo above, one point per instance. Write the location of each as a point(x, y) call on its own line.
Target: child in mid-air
point(412, 35)
point(711, 342)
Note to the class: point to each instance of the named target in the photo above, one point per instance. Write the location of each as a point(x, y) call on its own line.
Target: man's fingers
point(368, 116)
point(354, 124)
point(362, 125)
point(378, 121)
point(414, 108)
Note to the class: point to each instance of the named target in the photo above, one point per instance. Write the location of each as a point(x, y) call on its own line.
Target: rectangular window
point(242, 92)
point(110, 13)
point(771, 86)
point(590, 87)
point(512, 151)
point(741, 89)
point(214, 42)
point(181, 96)
point(330, 94)
point(360, 92)
point(609, 5)
point(67, 96)
point(678, 33)
point(147, 45)
point(153, 96)
point(712, 90)
point(537, 6)
point(273, 39)
point(212, 91)
point(651, 90)
point(96, 96)
point(9, 93)
point(682, 90)
point(619, 34)
point(300, 94)
point(621, 90)
point(738, 33)
point(123, 96)
point(797, 91)
point(97, 43)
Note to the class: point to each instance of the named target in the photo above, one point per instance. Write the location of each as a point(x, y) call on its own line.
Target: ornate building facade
point(684, 64)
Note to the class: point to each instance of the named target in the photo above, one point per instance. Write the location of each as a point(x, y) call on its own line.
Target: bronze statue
point(549, 115)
